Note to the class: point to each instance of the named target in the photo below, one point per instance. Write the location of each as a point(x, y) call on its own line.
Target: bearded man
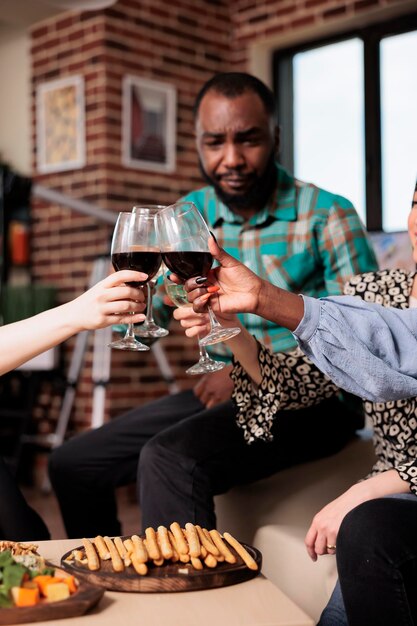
point(185, 448)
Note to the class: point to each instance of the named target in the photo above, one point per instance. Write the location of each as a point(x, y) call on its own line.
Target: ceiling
point(20, 14)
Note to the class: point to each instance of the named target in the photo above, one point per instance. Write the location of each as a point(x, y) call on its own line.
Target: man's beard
point(257, 195)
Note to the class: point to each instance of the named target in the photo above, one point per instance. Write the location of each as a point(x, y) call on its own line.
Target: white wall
point(15, 134)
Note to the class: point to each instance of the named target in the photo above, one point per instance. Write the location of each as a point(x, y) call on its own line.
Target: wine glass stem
point(213, 321)
point(202, 350)
point(149, 308)
point(130, 334)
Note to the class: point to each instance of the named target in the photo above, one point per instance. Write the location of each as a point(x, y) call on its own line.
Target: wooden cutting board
point(169, 577)
point(85, 598)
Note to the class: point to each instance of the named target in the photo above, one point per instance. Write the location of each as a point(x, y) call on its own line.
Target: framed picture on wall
point(393, 250)
point(60, 125)
point(149, 124)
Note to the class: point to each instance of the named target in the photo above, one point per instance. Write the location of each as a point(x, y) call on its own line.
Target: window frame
point(371, 37)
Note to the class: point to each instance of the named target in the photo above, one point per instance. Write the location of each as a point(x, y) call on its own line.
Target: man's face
point(236, 143)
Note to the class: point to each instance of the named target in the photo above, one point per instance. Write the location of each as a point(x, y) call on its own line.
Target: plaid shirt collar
point(282, 205)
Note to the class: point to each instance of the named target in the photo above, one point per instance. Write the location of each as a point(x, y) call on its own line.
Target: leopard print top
point(291, 381)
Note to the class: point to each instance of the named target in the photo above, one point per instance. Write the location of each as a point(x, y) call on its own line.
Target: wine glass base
point(219, 334)
point(132, 345)
point(205, 366)
point(151, 330)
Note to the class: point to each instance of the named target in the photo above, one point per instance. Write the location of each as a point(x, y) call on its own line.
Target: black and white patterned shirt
point(291, 381)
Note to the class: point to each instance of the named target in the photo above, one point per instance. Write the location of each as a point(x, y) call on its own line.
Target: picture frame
point(60, 125)
point(393, 250)
point(149, 124)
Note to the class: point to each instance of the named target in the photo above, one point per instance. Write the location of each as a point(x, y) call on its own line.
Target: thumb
point(225, 259)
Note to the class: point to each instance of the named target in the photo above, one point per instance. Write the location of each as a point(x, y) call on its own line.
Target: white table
point(256, 602)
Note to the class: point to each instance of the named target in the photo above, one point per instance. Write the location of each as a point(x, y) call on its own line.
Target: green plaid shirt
point(306, 240)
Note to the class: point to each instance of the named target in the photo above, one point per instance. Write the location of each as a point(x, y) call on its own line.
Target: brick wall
point(182, 42)
point(281, 21)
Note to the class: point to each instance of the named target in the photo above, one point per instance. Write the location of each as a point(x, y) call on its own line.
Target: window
point(347, 110)
point(398, 127)
point(328, 119)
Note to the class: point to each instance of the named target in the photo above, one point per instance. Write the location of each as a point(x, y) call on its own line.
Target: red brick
point(303, 21)
point(335, 12)
point(364, 4)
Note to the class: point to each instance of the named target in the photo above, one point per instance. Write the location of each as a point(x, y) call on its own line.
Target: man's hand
point(213, 389)
point(239, 287)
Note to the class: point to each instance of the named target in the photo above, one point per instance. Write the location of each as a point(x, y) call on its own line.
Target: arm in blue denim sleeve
point(367, 349)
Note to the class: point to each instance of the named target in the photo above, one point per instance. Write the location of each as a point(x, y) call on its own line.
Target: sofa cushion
point(274, 514)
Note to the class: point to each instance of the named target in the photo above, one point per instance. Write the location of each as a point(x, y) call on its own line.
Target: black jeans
point(18, 521)
point(377, 562)
point(181, 455)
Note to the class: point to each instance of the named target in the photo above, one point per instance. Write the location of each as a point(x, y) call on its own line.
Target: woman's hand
point(325, 525)
point(111, 301)
point(239, 288)
point(198, 324)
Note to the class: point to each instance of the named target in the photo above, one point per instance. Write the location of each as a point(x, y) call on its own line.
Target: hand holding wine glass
point(205, 364)
point(183, 239)
point(134, 247)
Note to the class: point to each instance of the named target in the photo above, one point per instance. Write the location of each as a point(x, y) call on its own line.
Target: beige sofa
point(274, 515)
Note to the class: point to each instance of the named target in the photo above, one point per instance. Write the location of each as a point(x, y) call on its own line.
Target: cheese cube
point(56, 592)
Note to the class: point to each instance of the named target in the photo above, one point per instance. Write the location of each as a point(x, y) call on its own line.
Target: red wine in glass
point(146, 261)
point(187, 264)
point(147, 214)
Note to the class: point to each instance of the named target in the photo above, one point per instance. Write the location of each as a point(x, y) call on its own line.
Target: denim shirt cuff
point(309, 324)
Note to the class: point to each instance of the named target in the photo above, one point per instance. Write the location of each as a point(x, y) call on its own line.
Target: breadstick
point(184, 558)
point(196, 563)
point(242, 552)
point(140, 568)
point(122, 551)
point(152, 544)
point(139, 549)
point(219, 556)
point(210, 560)
point(175, 556)
point(164, 543)
point(181, 544)
point(193, 540)
point(101, 548)
point(224, 550)
point(206, 541)
point(91, 554)
point(128, 544)
point(120, 547)
point(116, 561)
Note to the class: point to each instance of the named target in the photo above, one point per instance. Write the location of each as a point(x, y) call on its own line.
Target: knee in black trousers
point(377, 562)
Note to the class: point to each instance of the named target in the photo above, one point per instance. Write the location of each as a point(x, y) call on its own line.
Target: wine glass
point(205, 364)
point(149, 328)
point(183, 240)
point(134, 247)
